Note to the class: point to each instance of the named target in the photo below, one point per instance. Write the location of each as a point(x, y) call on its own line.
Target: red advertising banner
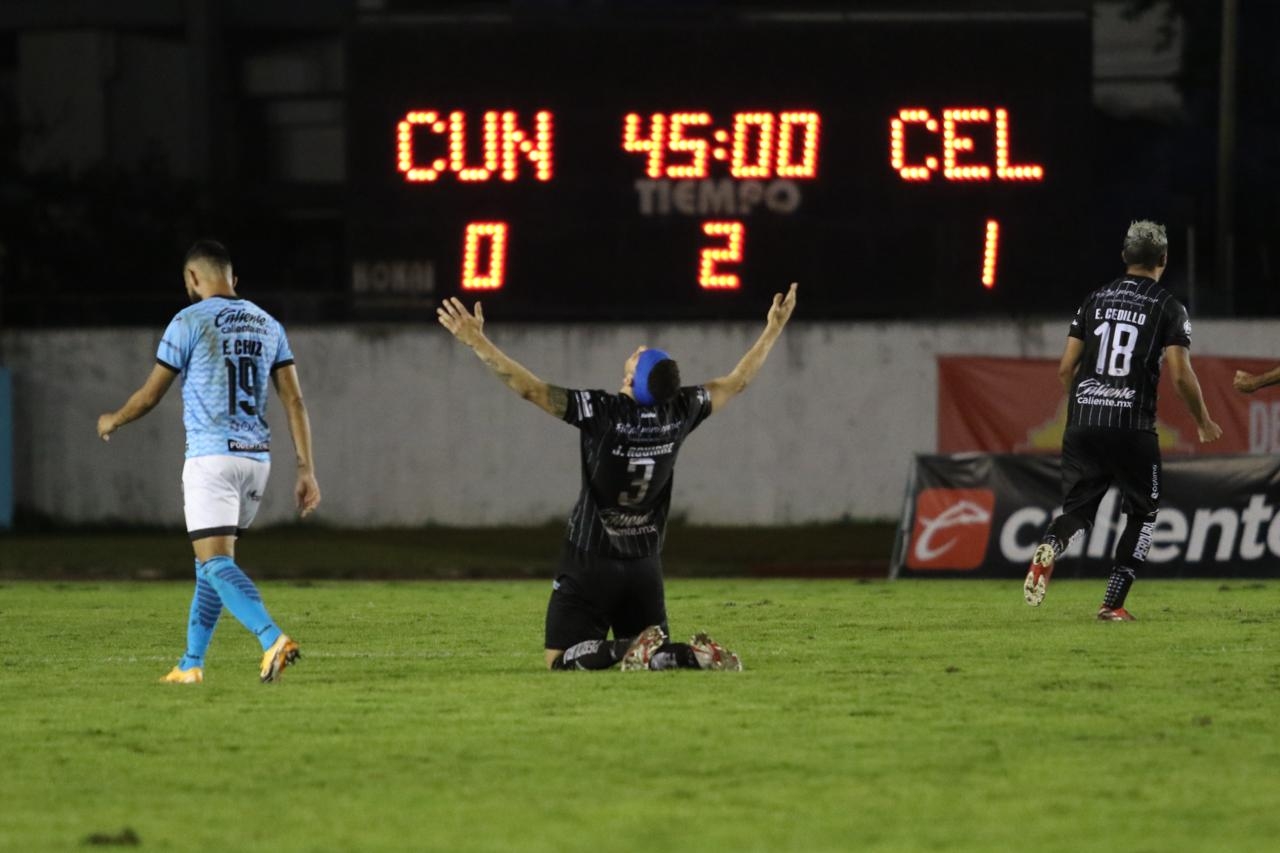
point(1015, 405)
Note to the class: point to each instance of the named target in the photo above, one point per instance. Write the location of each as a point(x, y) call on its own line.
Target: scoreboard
point(907, 166)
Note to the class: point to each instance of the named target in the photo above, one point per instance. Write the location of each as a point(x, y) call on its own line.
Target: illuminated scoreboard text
point(622, 193)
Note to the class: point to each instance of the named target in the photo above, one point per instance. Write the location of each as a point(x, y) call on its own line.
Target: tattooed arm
point(469, 328)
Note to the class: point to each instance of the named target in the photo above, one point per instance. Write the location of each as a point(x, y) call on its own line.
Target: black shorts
point(1095, 458)
point(593, 594)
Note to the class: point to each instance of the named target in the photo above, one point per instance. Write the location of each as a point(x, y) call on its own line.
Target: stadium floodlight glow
point(493, 235)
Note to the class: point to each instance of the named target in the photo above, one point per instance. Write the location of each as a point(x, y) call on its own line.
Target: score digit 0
point(493, 236)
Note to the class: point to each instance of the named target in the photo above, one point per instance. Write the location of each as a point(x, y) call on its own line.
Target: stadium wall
point(410, 428)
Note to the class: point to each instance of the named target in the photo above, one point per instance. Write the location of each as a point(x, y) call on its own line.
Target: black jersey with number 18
point(628, 466)
point(1125, 327)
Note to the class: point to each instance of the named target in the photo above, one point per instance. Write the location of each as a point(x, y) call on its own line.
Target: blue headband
point(640, 382)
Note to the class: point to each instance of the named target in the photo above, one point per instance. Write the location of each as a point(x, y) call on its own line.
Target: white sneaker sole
point(1034, 588)
point(637, 657)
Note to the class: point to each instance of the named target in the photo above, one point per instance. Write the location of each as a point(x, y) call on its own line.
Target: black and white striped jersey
point(1125, 327)
point(628, 466)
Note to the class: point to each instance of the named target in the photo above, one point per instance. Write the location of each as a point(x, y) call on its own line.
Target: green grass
point(916, 715)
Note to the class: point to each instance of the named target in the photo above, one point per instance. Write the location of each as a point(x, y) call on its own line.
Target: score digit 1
point(489, 239)
point(730, 252)
point(990, 254)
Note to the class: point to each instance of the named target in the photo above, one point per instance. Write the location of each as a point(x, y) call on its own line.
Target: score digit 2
point(709, 276)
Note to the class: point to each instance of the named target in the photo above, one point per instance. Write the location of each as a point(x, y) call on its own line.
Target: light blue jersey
point(226, 350)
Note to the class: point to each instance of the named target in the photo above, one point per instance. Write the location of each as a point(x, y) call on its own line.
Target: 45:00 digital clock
point(610, 173)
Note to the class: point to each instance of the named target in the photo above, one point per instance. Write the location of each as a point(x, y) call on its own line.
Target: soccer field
point(912, 715)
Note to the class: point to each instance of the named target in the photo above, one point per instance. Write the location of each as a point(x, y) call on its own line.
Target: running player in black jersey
point(610, 575)
point(1110, 370)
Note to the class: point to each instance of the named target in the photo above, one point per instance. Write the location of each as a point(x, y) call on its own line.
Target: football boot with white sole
point(1037, 581)
point(642, 648)
point(712, 655)
point(195, 675)
point(283, 652)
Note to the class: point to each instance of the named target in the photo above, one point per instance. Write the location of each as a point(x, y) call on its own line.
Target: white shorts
point(220, 494)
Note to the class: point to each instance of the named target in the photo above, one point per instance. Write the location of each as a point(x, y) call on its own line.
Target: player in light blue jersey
point(225, 348)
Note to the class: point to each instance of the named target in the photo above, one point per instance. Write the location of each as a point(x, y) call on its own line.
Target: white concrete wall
point(410, 428)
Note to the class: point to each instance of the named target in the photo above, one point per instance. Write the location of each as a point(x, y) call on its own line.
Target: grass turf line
point(313, 551)
point(912, 715)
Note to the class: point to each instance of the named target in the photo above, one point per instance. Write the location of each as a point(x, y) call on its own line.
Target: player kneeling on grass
point(223, 345)
point(1110, 370)
point(610, 575)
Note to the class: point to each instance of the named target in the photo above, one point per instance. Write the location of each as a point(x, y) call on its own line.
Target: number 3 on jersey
point(1118, 359)
point(640, 484)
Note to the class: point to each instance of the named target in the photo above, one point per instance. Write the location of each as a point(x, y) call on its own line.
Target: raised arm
point(1247, 383)
point(139, 403)
point(1070, 362)
point(1188, 387)
point(306, 491)
point(469, 328)
point(727, 387)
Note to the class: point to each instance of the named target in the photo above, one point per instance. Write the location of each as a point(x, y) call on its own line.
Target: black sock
point(674, 656)
point(1063, 529)
point(1118, 587)
point(1135, 540)
point(592, 654)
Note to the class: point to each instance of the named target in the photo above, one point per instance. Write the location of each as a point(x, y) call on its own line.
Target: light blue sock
point(241, 597)
point(206, 607)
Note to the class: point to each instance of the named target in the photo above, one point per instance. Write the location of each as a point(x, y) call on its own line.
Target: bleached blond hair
point(1145, 243)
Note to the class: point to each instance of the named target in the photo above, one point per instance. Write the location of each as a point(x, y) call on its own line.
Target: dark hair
point(664, 381)
point(1145, 244)
point(211, 251)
